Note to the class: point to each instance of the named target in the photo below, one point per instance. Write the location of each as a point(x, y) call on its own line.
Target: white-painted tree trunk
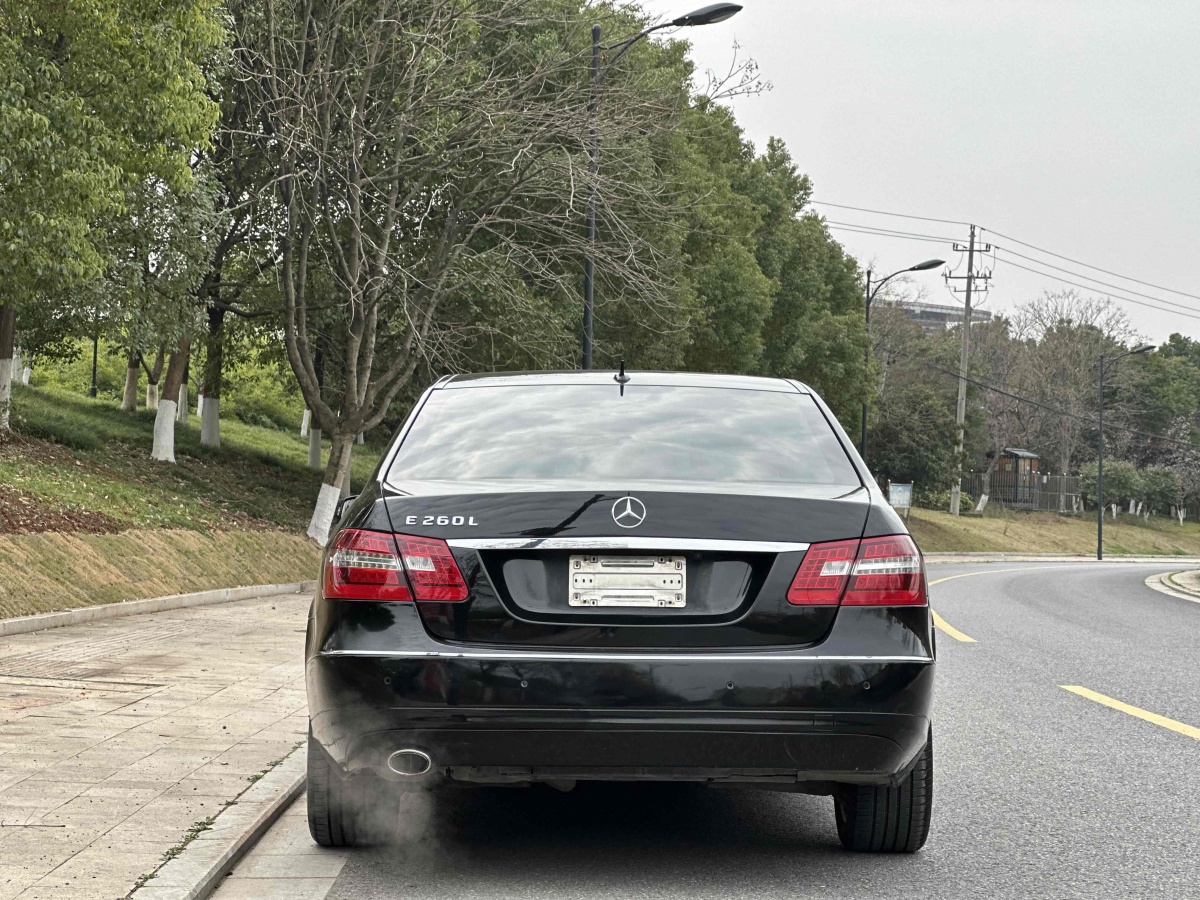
point(5, 393)
point(129, 396)
point(152, 396)
point(1115, 507)
point(26, 374)
point(1132, 508)
point(360, 440)
point(314, 448)
point(304, 422)
point(210, 423)
point(1181, 514)
point(322, 517)
point(164, 432)
point(181, 408)
point(336, 473)
point(200, 406)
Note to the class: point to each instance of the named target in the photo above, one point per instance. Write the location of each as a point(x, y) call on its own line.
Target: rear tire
point(335, 802)
point(882, 819)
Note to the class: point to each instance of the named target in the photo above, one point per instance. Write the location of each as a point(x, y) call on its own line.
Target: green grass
point(1044, 532)
point(88, 455)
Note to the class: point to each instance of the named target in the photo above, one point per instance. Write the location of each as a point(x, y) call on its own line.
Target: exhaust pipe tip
point(410, 763)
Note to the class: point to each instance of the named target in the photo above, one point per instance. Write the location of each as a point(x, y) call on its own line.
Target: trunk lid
point(727, 558)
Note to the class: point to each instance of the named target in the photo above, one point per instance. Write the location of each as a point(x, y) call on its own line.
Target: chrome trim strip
point(625, 543)
point(526, 655)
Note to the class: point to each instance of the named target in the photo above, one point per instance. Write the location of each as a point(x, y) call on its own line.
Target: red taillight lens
point(874, 572)
point(431, 568)
point(887, 572)
point(822, 575)
point(365, 565)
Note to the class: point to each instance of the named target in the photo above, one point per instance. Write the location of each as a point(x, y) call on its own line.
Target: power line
point(1006, 237)
point(880, 212)
point(1118, 287)
point(1088, 287)
point(888, 231)
point(1080, 418)
point(1090, 266)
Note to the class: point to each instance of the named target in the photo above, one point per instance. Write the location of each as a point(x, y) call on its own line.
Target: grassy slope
point(218, 518)
point(1052, 533)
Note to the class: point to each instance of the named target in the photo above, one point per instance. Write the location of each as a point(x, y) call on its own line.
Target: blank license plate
point(628, 581)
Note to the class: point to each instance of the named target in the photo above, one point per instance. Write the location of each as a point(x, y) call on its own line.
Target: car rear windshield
point(592, 434)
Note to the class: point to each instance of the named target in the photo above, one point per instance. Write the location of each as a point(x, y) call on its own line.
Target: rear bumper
point(781, 718)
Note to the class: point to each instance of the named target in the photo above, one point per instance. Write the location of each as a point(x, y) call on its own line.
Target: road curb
point(1051, 557)
point(42, 621)
point(1166, 584)
point(203, 864)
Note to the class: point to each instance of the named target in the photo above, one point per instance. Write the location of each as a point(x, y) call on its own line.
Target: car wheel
point(334, 802)
point(882, 819)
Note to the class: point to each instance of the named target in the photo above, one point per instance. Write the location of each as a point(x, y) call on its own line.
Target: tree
point(1159, 489)
point(426, 152)
point(94, 95)
point(1069, 334)
point(1122, 482)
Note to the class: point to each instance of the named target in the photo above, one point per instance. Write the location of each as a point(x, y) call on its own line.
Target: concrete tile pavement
point(285, 864)
point(117, 736)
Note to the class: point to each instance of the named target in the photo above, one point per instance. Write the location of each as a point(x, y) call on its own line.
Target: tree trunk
point(132, 373)
point(331, 487)
point(27, 372)
point(214, 364)
point(8, 328)
point(304, 422)
point(314, 447)
point(181, 412)
point(345, 486)
point(164, 422)
point(153, 373)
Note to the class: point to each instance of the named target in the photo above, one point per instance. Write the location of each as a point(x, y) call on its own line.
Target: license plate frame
point(616, 581)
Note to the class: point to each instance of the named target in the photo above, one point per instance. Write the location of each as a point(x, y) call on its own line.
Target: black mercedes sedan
point(556, 577)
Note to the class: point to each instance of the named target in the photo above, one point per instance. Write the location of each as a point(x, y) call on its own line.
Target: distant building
point(936, 317)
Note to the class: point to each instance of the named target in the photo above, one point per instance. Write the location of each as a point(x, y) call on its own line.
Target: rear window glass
point(591, 433)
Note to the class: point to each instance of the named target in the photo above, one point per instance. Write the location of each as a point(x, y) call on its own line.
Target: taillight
point(873, 572)
point(365, 565)
point(887, 573)
point(431, 568)
point(822, 575)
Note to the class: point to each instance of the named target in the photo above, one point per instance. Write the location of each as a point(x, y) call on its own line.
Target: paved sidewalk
point(116, 737)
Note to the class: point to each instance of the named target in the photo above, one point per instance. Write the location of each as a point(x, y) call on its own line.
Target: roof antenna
point(621, 378)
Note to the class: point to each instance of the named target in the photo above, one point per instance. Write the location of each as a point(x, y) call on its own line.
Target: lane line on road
point(1162, 721)
point(950, 630)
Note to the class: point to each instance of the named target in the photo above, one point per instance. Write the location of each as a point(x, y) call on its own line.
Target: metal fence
point(1056, 493)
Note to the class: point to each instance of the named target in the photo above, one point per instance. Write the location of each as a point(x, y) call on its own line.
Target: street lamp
point(919, 267)
point(1143, 348)
point(706, 15)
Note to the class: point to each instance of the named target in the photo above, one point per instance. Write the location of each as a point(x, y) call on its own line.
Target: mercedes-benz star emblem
point(629, 512)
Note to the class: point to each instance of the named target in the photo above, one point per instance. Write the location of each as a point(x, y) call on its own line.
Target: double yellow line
point(1137, 712)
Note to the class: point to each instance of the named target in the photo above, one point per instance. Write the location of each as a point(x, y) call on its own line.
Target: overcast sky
point(1072, 125)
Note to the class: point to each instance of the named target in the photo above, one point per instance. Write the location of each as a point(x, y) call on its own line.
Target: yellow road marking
point(941, 623)
point(1189, 730)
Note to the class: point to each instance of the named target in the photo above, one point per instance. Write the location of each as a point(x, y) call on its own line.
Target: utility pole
point(961, 414)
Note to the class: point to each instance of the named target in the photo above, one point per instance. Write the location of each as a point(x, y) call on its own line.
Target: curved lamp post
point(919, 267)
point(1143, 348)
point(706, 15)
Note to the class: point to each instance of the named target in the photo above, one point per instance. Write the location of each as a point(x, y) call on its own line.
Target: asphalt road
point(1039, 791)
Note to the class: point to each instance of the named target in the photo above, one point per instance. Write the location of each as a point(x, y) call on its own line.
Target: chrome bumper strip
point(527, 655)
point(626, 543)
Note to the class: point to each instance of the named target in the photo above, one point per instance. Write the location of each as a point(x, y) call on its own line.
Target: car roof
point(658, 379)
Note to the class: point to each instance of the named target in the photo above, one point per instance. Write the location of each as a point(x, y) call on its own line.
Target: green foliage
point(912, 440)
point(1159, 488)
point(94, 95)
point(1122, 482)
